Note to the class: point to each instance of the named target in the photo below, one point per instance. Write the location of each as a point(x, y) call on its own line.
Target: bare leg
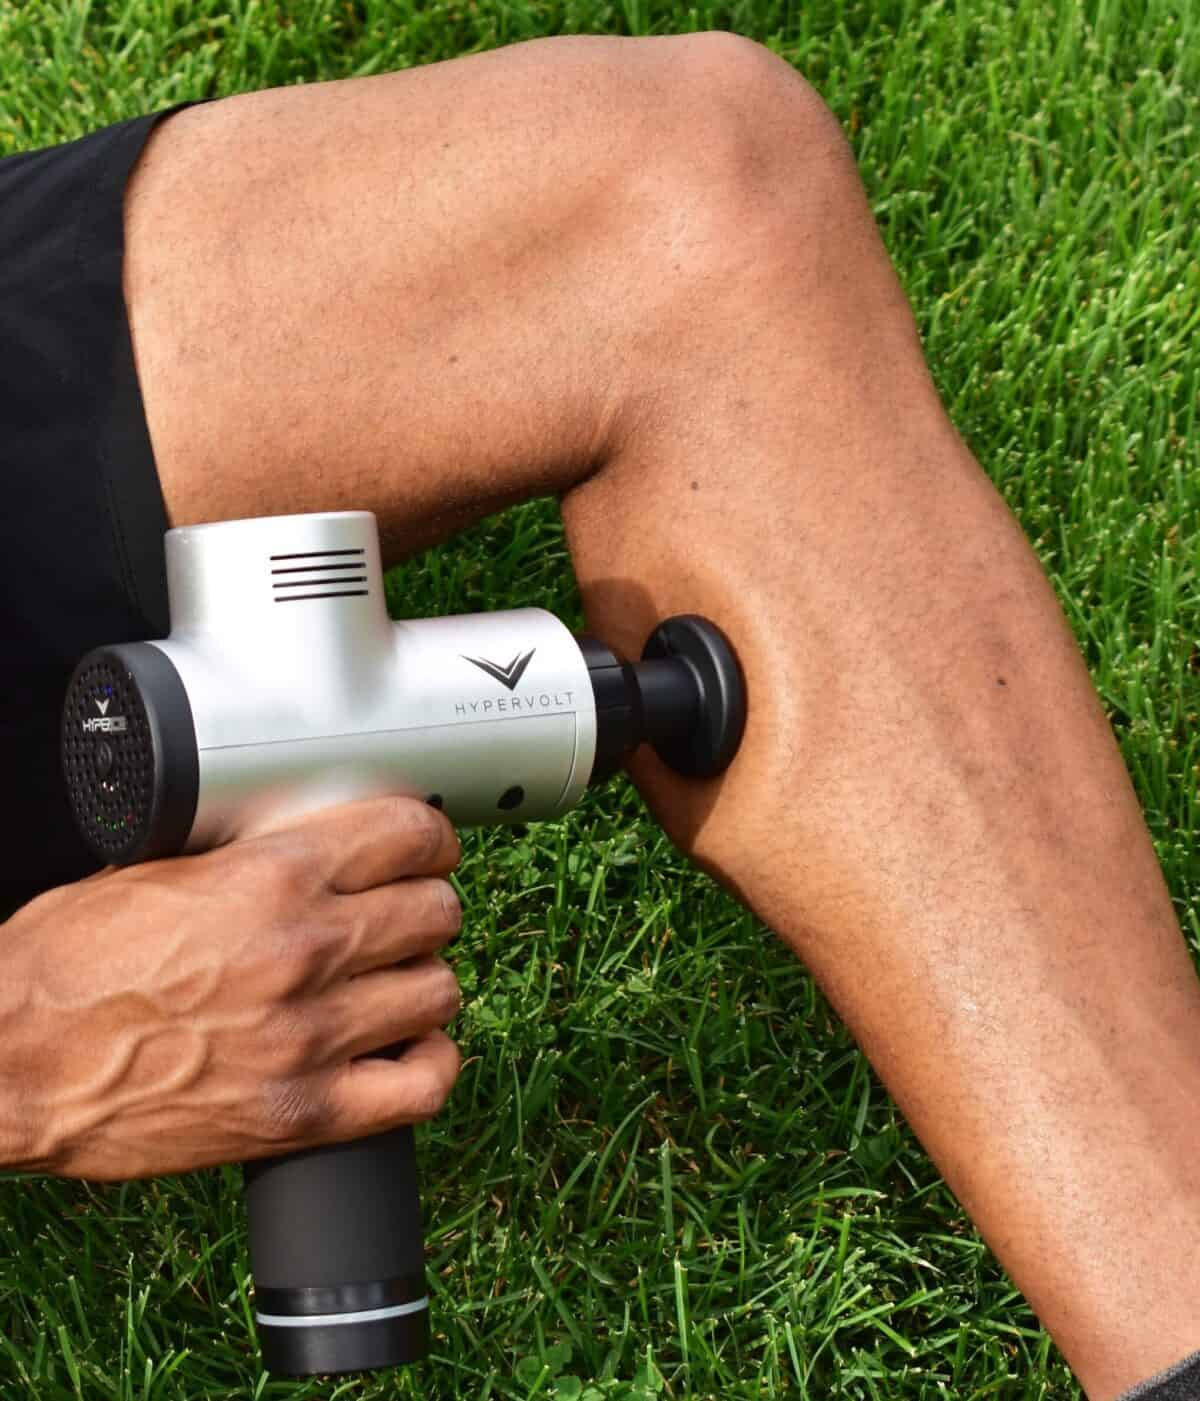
point(642, 274)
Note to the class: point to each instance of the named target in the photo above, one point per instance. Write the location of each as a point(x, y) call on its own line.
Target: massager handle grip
point(336, 1231)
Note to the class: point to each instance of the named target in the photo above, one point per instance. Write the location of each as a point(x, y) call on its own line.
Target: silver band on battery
point(323, 1320)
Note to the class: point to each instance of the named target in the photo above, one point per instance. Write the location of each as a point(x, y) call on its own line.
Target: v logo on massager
point(506, 675)
point(102, 706)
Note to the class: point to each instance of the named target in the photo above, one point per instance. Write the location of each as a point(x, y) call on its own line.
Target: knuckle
point(314, 949)
point(293, 1042)
point(410, 815)
point(277, 868)
point(351, 935)
point(293, 1112)
point(297, 956)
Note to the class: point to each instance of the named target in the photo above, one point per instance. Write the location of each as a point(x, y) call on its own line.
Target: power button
point(105, 758)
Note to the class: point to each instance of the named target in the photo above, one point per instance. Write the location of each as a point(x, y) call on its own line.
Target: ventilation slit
point(342, 568)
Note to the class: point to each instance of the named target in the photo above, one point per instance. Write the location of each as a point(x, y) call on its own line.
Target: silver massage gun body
point(284, 686)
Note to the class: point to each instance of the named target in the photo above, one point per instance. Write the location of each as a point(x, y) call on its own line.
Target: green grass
point(667, 1171)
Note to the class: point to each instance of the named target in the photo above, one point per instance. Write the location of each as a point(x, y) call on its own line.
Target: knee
point(740, 206)
point(741, 157)
point(734, 100)
point(745, 234)
point(695, 137)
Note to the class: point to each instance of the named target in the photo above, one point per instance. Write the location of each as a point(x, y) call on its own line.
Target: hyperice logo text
point(509, 677)
point(104, 722)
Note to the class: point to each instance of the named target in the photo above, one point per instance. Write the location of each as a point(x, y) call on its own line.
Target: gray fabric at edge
point(1178, 1383)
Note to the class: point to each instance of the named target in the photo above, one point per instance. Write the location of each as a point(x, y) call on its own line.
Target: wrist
point(16, 1140)
point(19, 1128)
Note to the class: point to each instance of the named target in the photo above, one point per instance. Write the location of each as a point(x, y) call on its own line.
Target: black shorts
point(82, 519)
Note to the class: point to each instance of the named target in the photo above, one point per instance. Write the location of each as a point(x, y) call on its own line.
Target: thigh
point(398, 293)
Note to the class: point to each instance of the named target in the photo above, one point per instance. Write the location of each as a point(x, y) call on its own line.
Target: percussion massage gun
point(283, 687)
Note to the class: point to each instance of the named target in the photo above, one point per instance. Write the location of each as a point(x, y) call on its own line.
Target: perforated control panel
point(129, 754)
point(108, 758)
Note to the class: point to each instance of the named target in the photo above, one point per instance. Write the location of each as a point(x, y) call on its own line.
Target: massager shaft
point(642, 704)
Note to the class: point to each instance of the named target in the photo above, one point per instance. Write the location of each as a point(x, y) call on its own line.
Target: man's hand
point(211, 1008)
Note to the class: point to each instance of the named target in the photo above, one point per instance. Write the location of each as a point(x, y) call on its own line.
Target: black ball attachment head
point(686, 698)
